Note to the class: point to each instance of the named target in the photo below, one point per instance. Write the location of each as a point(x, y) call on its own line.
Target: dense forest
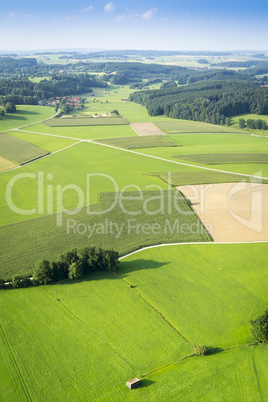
point(24, 91)
point(211, 101)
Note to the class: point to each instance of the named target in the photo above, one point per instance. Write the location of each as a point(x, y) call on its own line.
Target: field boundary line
point(192, 243)
point(135, 130)
point(15, 364)
point(192, 355)
point(257, 378)
point(175, 162)
point(155, 309)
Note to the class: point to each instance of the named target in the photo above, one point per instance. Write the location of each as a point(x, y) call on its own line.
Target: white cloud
point(109, 7)
point(124, 17)
point(87, 9)
point(121, 18)
point(148, 14)
point(19, 16)
point(74, 18)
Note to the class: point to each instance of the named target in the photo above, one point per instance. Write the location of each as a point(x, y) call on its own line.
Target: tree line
point(73, 264)
point(253, 124)
point(211, 101)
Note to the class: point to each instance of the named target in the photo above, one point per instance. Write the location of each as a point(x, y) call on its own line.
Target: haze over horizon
point(173, 25)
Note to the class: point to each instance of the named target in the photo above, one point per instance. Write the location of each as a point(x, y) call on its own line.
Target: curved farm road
point(231, 212)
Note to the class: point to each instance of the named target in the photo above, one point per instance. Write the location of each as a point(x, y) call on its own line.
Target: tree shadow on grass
point(139, 265)
point(129, 267)
point(21, 115)
point(214, 351)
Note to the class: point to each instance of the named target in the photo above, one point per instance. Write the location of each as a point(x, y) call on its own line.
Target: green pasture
point(123, 223)
point(38, 79)
point(50, 144)
point(18, 150)
point(112, 169)
point(133, 112)
point(150, 141)
point(214, 144)
point(209, 293)
point(196, 144)
point(83, 346)
point(174, 126)
point(80, 336)
point(235, 375)
point(86, 132)
point(25, 114)
point(86, 121)
point(214, 159)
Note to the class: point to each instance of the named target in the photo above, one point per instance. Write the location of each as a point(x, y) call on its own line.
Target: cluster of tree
point(253, 124)
point(260, 328)
point(13, 65)
point(24, 91)
point(71, 265)
point(212, 102)
point(168, 84)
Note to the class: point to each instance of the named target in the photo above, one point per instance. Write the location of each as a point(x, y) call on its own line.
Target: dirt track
point(231, 211)
point(146, 129)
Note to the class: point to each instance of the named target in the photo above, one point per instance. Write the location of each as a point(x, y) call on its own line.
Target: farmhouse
point(135, 383)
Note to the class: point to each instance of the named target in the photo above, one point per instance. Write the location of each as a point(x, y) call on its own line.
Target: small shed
point(135, 383)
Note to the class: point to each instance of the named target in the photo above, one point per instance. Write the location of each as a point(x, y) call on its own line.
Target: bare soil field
point(146, 129)
point(231, 211)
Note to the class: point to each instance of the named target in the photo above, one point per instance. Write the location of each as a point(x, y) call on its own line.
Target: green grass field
point(50, 144)
point(18, 150)
point(196, 144)
point(142, 220)
point(72, 167)
point(215, 159)
point(86, 132)
point(84, 121)
point(174, 126)
point(151, 141)
point(238, 375)
point(208, 292)
point(235, 123)
point(25, 114)
point(202, 177)
point(89, 337)
point(97, 336)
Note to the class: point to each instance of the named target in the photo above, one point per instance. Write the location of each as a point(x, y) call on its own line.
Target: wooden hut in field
point(132, 384)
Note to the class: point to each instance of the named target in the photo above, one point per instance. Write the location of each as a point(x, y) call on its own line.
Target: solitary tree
point(201, 350)
point(227, 121)
point(10, 107)
point(260, 328)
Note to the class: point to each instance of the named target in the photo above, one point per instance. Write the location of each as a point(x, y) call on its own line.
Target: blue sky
point(154, 24)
